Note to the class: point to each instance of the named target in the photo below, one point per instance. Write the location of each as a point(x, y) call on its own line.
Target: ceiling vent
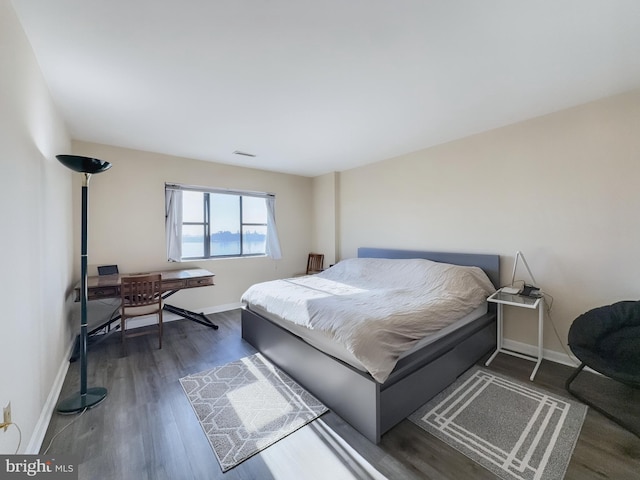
point(244, 154)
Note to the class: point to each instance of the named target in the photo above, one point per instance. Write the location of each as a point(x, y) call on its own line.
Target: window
point(210, 223)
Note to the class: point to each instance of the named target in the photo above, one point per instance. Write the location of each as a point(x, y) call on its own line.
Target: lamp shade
point(83, 164)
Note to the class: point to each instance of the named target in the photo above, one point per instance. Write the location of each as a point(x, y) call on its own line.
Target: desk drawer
point(173, 284)
point(199, 282)
point(105, 292)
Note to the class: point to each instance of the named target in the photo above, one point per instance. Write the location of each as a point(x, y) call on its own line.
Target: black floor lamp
point(87, 397)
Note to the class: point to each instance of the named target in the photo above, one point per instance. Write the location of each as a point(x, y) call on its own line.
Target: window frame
point(207, 220)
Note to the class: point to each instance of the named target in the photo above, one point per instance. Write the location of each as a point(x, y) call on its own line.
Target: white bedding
point(325, 343)
point(376, 308)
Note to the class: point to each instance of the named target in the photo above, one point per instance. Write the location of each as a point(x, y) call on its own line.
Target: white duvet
point(377, 308)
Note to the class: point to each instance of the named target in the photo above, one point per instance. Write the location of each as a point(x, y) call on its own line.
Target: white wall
point(325, 215)
point(562, 188)
point(126, 219)
point(36, 240)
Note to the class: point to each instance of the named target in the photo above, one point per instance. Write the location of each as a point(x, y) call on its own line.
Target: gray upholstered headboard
point(489, 263)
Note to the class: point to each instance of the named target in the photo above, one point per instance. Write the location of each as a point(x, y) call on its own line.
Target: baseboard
point(35, 442)
point(532, 350)
point(222, 308)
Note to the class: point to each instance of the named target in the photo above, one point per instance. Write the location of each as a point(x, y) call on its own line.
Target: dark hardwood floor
point(146, 429)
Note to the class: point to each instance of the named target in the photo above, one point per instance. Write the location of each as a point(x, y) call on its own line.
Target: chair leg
point(123, 335)
point(567, 384)
point(160, 328)
point(580, 397)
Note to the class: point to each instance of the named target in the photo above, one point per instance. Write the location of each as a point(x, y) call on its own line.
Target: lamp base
point(77, 402)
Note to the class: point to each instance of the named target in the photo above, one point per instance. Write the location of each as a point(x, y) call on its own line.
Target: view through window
point(223, 225)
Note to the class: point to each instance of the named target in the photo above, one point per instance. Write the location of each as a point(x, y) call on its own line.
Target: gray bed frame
point(370, 407)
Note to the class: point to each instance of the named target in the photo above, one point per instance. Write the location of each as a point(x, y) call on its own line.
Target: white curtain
point(273, 244)
point(173, 224)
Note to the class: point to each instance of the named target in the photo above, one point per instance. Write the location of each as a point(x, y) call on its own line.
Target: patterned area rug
point(513, 429)
point(247, 405)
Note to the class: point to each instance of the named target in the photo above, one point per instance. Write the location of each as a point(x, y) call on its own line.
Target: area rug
point(513, 429)
point(246, 406)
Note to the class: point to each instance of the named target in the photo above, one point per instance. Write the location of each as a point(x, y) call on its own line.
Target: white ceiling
point(317, 86)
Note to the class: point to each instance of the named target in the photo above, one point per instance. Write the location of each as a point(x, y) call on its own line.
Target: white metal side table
point(521, 301)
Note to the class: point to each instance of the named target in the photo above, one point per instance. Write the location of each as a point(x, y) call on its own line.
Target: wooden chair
point(140, 295)
point(315, 263)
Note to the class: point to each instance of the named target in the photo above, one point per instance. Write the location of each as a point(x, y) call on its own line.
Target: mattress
point(325, 342)
point(375, 309)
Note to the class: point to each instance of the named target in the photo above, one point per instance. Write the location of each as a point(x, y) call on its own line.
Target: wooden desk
point(108, 286)
point(102, 287)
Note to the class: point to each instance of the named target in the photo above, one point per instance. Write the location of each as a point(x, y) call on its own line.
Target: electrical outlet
point(6, 412)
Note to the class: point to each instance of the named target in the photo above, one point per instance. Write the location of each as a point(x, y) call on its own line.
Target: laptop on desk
point(107, 270)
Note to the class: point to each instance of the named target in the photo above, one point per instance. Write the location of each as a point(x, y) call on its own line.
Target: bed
point(371, 406)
